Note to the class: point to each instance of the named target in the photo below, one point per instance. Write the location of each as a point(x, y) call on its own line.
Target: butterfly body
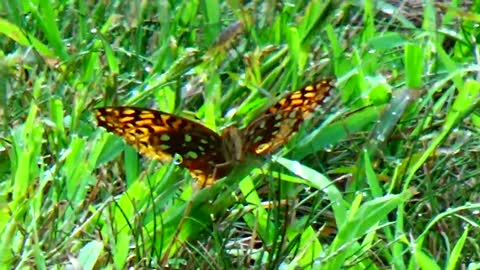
point(206, 154)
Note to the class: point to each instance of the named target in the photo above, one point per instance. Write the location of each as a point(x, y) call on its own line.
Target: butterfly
point(206, 154)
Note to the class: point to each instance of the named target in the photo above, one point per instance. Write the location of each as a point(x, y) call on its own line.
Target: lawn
point(377, 168)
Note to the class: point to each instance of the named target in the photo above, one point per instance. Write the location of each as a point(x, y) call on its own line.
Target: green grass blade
point(456, 257)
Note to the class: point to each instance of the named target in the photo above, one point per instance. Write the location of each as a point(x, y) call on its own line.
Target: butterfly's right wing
point(273, 127)
point(161, 136)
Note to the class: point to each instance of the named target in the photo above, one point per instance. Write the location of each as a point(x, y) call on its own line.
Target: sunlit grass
point(385, 175)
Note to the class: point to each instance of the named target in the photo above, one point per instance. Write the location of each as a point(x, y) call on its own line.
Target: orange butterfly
point(207, 155)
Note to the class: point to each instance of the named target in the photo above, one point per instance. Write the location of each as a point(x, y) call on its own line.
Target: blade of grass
point(456, 255)
point(320, 182)
point(367, 218)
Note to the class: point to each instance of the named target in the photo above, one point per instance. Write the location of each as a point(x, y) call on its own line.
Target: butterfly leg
point(221, 170)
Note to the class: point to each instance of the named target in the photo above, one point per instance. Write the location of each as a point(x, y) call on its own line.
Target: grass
point(385, 175)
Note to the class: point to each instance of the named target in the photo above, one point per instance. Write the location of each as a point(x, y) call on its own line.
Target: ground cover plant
point(382, 174)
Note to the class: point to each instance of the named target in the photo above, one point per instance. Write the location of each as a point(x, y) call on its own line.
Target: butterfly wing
point(161, 136)
point(273, 127)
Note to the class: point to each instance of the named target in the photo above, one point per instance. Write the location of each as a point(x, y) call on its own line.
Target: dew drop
point(177, 159)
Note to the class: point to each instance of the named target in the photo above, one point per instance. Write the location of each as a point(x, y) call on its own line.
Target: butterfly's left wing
point(273, 127)
point(161, 136)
